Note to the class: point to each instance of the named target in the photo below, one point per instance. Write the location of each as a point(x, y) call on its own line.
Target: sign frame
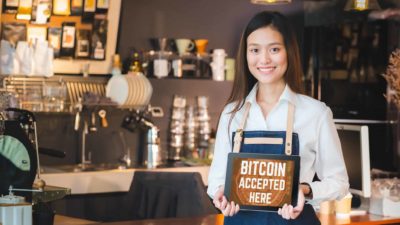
point(295, 178)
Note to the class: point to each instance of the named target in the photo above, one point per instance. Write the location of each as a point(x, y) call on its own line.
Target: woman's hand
point(289, 212)
point(220, 202)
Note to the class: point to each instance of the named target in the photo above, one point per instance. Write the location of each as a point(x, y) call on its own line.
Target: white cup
point(161, 68)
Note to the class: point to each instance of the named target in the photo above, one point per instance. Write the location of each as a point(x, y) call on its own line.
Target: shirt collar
point(287, 95)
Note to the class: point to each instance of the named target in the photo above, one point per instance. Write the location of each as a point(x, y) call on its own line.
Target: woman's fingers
point(227, 210)
point(217, 203)
point(284, 211)
point(292, 215)
point(237, 208)
point(224, 203)
point(233, 209)
point(289, 212)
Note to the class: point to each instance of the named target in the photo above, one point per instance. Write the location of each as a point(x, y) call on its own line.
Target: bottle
point(136, 65)
point(116, 66)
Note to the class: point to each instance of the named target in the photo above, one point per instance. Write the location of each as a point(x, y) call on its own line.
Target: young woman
point(267, 81)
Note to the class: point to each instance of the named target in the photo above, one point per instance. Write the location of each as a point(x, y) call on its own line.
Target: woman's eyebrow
point(269, 44)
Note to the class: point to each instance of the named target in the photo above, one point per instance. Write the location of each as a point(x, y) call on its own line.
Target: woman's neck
point(270, 94)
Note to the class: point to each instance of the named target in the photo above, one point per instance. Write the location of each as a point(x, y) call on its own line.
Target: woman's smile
point(266, 69)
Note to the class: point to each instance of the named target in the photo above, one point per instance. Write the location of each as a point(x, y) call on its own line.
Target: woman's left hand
point(289, 212)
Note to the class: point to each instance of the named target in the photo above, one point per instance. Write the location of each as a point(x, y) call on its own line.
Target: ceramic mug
point(184, 45)
point(201, 45)
point(161, 68)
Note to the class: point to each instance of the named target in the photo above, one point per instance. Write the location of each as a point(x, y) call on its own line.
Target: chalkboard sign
point(262, 182)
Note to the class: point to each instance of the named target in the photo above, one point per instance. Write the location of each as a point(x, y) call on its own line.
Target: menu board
point(262, 182)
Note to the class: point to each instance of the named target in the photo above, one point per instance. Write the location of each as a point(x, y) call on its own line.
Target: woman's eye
point(253, 50)
point(274, 50)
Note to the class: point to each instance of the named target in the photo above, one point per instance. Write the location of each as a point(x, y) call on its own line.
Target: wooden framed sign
point(262, 182)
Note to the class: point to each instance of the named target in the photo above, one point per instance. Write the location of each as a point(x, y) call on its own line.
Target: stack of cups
point(203, 122)
point(218, 64)
point(177, 128)
point(190, 138)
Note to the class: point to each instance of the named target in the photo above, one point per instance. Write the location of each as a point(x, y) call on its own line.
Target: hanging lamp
point(361, 5)
point(270, 2)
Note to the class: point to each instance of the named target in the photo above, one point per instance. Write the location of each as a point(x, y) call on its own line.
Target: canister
point(15, 211)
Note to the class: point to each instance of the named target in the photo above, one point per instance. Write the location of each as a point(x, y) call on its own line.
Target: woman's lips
point(266, 69)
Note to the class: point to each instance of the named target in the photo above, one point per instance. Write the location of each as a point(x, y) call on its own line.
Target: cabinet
point(344, 66)
point(69, 66)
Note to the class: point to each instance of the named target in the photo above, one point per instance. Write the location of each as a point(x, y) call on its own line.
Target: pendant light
point(361, 5)
point(270, 2)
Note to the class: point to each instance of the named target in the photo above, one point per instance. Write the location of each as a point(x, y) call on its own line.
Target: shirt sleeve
point(329, 165)
point(223, 146)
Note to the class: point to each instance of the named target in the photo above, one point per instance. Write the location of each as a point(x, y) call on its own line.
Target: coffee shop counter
point(367, 219)
point(107, 181)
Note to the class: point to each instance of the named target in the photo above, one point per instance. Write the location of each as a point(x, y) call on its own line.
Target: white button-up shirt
point(320, 148)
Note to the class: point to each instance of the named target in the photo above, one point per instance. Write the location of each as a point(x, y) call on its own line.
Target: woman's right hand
point(220, 202)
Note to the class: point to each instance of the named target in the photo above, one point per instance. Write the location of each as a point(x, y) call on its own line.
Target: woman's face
point(266, 55)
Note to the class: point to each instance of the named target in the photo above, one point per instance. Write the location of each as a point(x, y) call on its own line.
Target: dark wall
point(219, 21)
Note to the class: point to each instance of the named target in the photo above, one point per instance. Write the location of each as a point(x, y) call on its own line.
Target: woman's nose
point(265, 58)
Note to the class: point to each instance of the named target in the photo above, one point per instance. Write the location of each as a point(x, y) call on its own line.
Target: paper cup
point(343, 207)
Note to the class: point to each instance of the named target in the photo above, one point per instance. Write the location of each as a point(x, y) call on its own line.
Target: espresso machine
point(150, 154)
point(24, 195)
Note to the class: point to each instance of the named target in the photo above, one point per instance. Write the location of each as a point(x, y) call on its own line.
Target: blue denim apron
point(308, 216)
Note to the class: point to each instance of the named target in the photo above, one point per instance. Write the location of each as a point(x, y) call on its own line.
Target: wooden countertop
point(368, 219)
point(66, 220)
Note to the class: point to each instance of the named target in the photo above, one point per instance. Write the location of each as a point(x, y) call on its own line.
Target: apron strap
point(289, 129)
point(237, 140)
